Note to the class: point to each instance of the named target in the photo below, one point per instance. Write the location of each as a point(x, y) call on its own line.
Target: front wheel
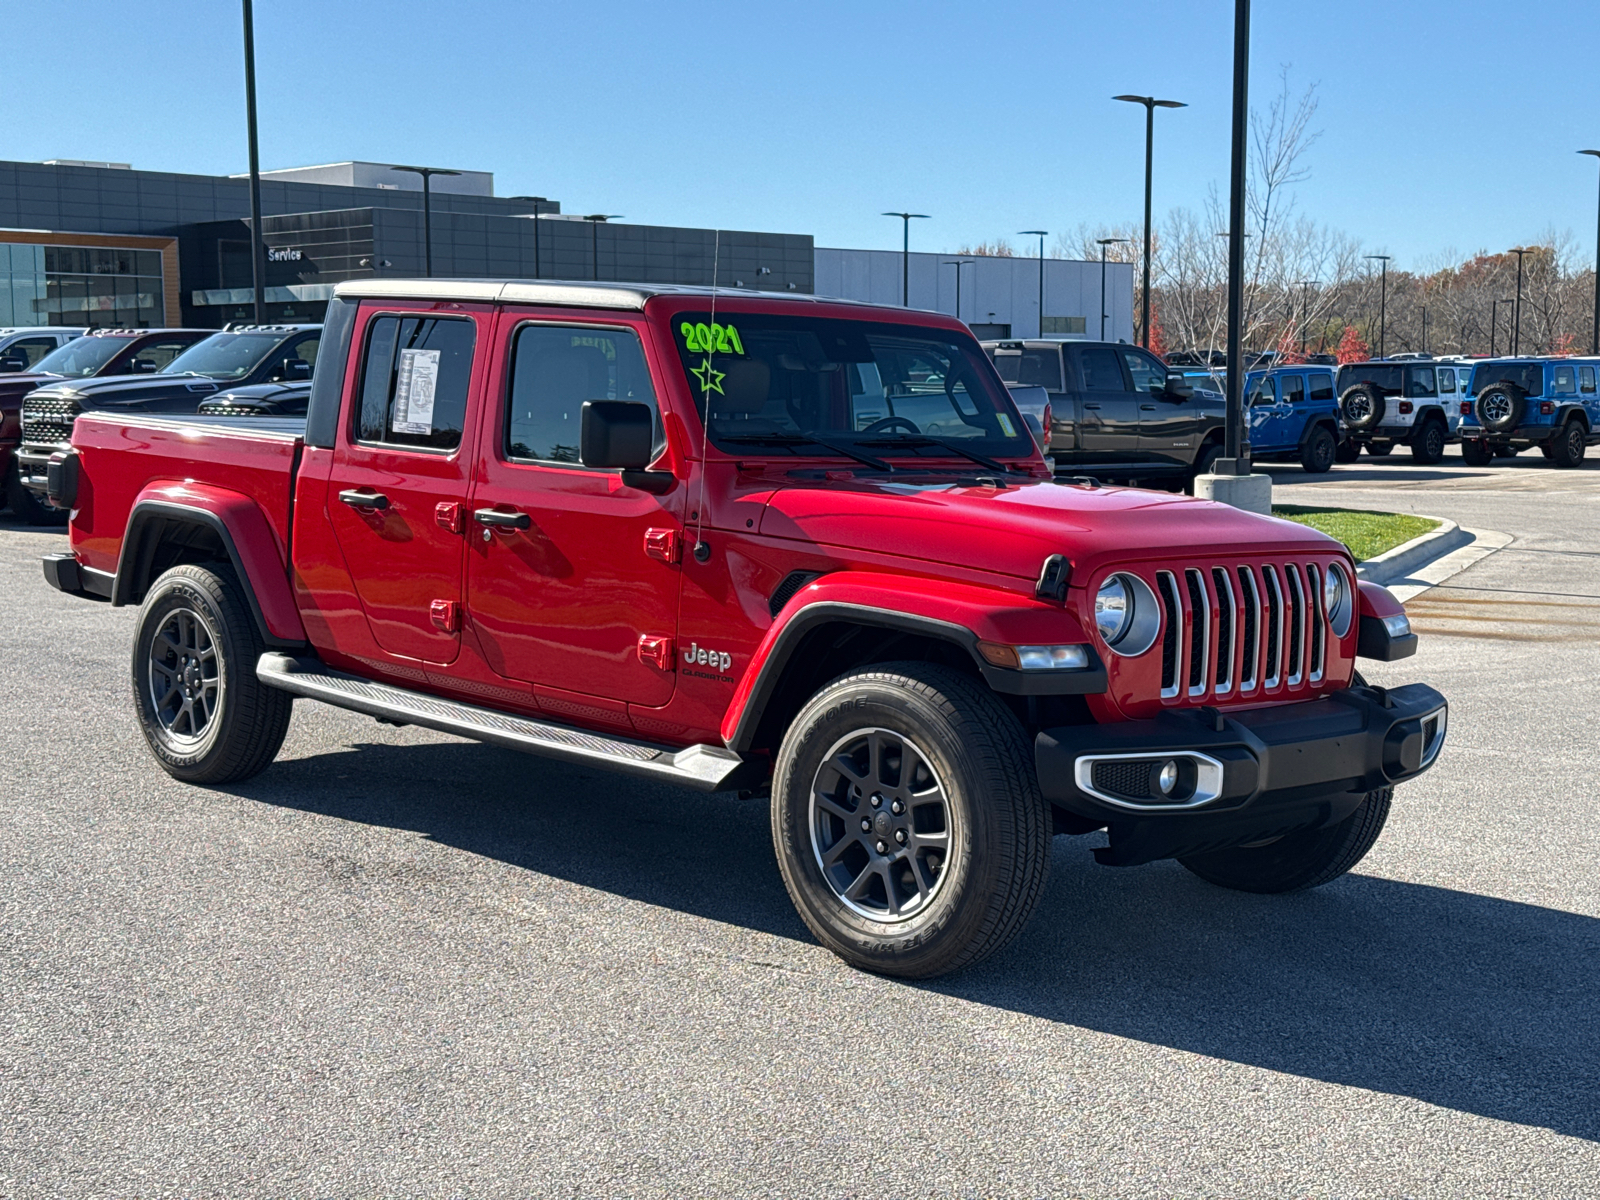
point(1297, 861)
point(205, 715)
point(907, 820)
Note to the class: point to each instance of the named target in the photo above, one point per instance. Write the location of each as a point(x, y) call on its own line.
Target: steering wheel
point(887, 425)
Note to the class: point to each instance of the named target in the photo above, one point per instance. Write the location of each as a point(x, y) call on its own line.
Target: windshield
point(814, 385)
point(224, 355)
point(82, 357)
point(1385, 378)
point(1527, 376)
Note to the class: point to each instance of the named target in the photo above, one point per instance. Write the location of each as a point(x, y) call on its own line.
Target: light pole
point(1040, 234)
point(1383, 302)
point(1103, 243)
point(258, 251)
point(1516, 309)
point(958, 263)
point(1305, 311)
point(1494, 320)
point(1235, 458)
point(905, 252)
point(595, 221)
point(427, 174)
point(1150, 105)
point(1594, 342)
point(1424, 328)
point(537, 200)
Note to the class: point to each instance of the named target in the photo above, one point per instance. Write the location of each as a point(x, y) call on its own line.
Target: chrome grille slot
point(1251, 634)
point(1274, 667)
point(1199, 632)
point(1319, 622)
point(1171, 621)
point(1227, 620)
point(1297, 605)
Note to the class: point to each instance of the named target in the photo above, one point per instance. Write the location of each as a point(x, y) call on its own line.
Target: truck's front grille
point(1240, 631)
point(48, 419)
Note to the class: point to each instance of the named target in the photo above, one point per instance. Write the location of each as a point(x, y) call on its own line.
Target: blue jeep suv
point(1293, 415)
point(1514, 403)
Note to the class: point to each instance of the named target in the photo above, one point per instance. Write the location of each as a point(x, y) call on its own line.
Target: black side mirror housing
point(141, 366)
point(1179, 388)
point(10, 364)
point(619, 435)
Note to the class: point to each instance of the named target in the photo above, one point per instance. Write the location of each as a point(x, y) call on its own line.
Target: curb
point(1399, 563)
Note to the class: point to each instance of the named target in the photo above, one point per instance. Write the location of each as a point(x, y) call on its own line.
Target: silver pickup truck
point(1116, 411)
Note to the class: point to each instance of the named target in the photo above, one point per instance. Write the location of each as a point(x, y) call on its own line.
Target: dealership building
point(103, 245)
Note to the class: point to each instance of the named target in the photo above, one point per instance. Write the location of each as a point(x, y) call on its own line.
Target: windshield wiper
point(804, 439)
point(925, 439)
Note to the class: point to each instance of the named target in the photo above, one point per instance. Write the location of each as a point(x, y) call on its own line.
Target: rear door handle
point(1091, 406)
point(359, 499)
point(1148, 407)
point(502, 520)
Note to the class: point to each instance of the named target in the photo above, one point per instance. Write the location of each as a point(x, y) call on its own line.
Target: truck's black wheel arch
point(161, 535)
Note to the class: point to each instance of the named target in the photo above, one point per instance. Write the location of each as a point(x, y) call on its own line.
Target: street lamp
point(595, 220)
point(1494, 320)
point(1383, 302)
point(1516, 309)
point(258, 251)
point(1103, 243)
point(905, 252)
point(538, 270)
point(958, 263)
point(427, 174)
point(1150, 105)
point(1424, 328)
point(1040, 234)
point(1594, 343)
point(1235, 458)
point(1305, 311)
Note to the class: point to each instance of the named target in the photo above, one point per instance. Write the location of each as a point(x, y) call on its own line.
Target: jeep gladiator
point(795, 548)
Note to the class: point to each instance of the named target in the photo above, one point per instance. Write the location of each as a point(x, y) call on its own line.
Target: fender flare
point(959, 614)
point(1569, 412)
point(246, 536)
point(1328, 421)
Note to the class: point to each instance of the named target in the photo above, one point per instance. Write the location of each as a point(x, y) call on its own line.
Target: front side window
point(225, 355)
point(1100, 370)
point(1586, 380)
point(83, 357)
point(1563, 380)
point(414, 381)
point(30, 350)
point(554, 369)
point(878, 388)
point(1262, 391)
point(1321, 386)
point(1421, 382)
point(1148, 375)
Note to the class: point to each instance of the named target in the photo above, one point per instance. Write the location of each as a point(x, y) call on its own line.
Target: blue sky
point(816, 117)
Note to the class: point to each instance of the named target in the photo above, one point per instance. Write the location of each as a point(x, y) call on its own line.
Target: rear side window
point(554, 369)
point(1321, 387)
point(1040, 368)
point(1101, 373)
point(1447, 379)
point(1586, 380)
point(1420, 382)
point(1294, 388)
point(1563, 380)
point(414, 380)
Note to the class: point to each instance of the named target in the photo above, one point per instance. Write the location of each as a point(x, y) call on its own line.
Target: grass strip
point(1367, 534)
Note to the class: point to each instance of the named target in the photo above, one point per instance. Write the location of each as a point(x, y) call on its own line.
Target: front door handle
point(1148, 407)
point(1091, 406)
point(502, 520)
point(359, 499)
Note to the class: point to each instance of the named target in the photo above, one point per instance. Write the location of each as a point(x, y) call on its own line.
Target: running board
point(704, 768)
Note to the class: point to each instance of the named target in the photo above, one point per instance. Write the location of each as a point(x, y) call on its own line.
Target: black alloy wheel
point(1500, 406)
point(1319, 451)
point(1568, 446)
point(1362, 407)
point(1427, 444)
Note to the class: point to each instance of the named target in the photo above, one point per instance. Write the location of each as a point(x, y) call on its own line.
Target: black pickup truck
point(1116, 411)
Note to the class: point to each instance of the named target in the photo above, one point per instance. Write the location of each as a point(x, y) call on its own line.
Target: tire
point(1297, 861)
point(1362, 407)
point(1347, 452)
point(910, 912)
point(25, 506)
point(1548, 451)
point(1499, 407)
point(1427, 444)
point(1380, 449)
point(1209, 454)
point(1476, 454)
point(205, 715)
point(1567, 447)
point(1319, 450)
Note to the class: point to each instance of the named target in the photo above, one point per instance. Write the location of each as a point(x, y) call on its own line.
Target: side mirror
point(291, 369)
point(11, 363)
point(1179, 388)
point(141, 366)
point(619, 435)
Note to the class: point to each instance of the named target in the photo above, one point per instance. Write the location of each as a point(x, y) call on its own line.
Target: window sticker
point(710, 379)
point(707, 339)
point(415, 383)
point(1006, 426)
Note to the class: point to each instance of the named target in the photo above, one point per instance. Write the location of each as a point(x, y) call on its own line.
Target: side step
point(703, 768)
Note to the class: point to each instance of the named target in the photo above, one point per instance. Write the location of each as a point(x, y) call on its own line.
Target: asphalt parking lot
point(401, 964)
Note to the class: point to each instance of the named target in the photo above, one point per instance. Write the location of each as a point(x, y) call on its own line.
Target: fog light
point(1167, 781)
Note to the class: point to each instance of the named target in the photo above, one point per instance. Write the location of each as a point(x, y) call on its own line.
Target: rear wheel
point(1476, 454)
point(1202, 465)
point(1347, 452)
point(205, 715)
point(1567, 447)
point(1297, 861)
point(25, 505)
point(1318, 453)
point(1380, 449)
point(1427, 444)
point(907, 820)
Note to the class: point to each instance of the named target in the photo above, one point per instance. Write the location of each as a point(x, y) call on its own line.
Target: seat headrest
point(746, 383)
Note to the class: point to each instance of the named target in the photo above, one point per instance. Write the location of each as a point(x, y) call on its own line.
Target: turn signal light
point(1035, 658)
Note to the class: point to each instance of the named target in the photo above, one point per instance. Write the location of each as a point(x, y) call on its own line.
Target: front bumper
point(33, 463)
point(1243, 776)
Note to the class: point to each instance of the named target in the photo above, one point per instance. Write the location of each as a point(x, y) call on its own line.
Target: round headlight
point(1113, 609)
point(1337, 601)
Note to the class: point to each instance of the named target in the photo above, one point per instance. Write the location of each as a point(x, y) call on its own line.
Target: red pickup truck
point(787, 546)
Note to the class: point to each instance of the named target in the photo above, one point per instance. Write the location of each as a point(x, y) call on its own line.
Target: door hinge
point(446, 614)
point(656, 650)
point(662, 544)
point(447, 515)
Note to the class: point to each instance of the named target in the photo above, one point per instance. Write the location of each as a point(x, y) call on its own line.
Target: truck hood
point(13, 387)
point(1012, 530)
point(134, 391)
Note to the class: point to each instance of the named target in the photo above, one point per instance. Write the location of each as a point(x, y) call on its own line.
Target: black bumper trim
point(1291, 766)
